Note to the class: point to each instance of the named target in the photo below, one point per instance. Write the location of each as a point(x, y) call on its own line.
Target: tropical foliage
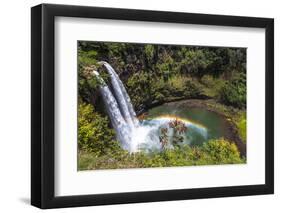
point(212, 153)
point(152, 75)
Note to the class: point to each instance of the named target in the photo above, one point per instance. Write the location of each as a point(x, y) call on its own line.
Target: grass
point(211, 85)
point(234, 115)
point(242, 127)
point(214, 152)
point(178, 81)
point(86, 160)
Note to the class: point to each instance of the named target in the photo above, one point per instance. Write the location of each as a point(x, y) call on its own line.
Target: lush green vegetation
point(233, 92)
point(211, 153)
point(154, 74)
point(242, 126)
point(94, 133)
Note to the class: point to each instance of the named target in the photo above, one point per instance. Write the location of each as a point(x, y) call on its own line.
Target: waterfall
point(132, 134)
point(122, 97)
point(119, 124)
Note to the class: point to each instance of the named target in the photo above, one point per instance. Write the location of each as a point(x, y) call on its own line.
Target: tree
point(221, 151)
point(234, 92)
point(94, 134)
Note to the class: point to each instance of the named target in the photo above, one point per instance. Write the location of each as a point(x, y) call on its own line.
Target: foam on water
point(132, 134)
point(146, 136)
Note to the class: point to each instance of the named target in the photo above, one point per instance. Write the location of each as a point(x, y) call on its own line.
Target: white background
point(15, 106)
point(70, 182)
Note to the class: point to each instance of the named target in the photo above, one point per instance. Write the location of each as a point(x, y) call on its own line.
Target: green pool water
point(215, 124)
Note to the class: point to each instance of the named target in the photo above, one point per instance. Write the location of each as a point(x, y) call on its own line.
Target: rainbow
point(174, 117)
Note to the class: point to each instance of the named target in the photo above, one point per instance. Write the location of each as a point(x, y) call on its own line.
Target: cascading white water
point(122, 97)
point(132, 134)
point(119, 124)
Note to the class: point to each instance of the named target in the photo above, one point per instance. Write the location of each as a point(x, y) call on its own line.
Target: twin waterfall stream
point(133, 134)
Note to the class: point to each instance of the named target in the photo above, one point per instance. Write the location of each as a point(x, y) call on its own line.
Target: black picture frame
point(43, 102)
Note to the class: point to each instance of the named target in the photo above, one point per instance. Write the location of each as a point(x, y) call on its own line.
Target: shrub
point(212, 152)
point(138, 86)
point(242, 127)
point(234, 92)
point(159, 96)
point(212, 85)
point(192, 89)
point(94, 134)
point(208, 81)
point(221, 151)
